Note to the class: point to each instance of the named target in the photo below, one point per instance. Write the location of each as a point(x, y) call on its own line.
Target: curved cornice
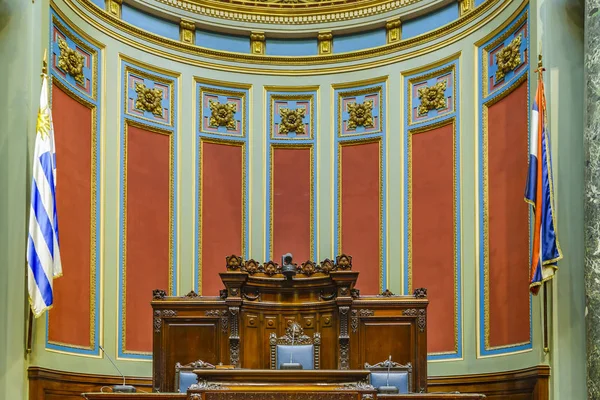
point(281, 12)
point(261, 64)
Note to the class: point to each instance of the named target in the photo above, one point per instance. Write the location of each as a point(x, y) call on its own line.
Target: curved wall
point(410, 158)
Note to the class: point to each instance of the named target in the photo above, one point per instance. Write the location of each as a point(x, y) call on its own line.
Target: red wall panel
point(433, 235)
point(70, 317)
point(508, 220)
point(148, 230)
point(222, 199)
point(360, 228)
point(291, 200)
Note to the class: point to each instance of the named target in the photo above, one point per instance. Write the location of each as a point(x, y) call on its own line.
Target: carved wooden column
point(233, 281)
point(344, 280)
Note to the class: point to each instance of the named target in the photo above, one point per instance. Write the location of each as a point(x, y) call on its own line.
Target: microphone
point(118, 388)
point(387, 389)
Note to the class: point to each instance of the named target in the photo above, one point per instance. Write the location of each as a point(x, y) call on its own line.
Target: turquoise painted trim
point(291, 140)
point(96, 101)
point(359, 41)
point(362, 134)
point(430, 21)
point(434, 118)
point(508, 80)
point(291, 47)
point(221, 136)
point(222, 41)
point(173, 128)
point(149, 22)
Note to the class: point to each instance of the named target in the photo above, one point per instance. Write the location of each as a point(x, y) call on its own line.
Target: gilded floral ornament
point(291, 121)
point(222, 114)
point(432, 97)
point(149, 100)
point(508, 58)
point(71, 61)
point(360, 114)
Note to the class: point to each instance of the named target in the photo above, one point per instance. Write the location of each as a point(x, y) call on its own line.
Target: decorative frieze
point(394, 30)
point(257, 43)
point(187, 31)
point(325, 40)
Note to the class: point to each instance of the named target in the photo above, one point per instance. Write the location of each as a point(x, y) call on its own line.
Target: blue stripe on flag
point(548, 238)
point(43, 220)
point(38, 273)
point(530, 189)
point(48, 161)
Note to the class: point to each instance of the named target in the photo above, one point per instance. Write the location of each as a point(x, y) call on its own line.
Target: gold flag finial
point(45, 62)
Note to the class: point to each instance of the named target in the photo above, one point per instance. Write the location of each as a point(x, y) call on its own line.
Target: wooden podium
point(258, 300)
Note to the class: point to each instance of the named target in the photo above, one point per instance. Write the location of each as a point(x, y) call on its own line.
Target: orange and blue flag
point(545, 250)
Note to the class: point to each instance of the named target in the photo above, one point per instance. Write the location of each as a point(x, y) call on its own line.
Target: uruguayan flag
point(43, 255)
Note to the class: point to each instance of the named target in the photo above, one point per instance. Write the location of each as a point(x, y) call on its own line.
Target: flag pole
point(30, 321)
point(540, 70)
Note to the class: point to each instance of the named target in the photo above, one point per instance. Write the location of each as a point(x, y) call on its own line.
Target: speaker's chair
point(184, 375)
point(400, 375)
point(303, 349)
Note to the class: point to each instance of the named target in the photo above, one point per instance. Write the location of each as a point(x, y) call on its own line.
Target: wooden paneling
point(526, 384)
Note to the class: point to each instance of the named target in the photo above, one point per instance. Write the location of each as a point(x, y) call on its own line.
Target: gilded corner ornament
point(466, 6)
point(149, 100)
point(291, 121)
point(360, 115)
point(508, 58)
point(71, 61)
point(222, 114)
point(432, 97)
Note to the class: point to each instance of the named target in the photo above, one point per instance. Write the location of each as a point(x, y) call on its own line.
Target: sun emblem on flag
point(43, 123)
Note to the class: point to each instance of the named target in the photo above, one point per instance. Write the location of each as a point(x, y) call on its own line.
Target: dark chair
point(184, 375)
point(302, 348)
point(400, 375)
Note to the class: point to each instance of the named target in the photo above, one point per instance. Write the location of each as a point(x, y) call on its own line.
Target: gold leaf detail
point(291, 121)
point(360, 115)
point(508, 58)
point(222, 114)
point(432, 97)
point(149, 100)
point(71, 61)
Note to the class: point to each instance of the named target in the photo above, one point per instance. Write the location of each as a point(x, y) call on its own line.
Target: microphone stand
point(118, 388)
point(387, 389)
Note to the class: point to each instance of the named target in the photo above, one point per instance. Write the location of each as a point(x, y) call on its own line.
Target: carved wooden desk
point(259, 302)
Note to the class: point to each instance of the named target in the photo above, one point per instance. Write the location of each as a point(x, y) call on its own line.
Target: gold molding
point(287, 12)
point(465, 6)
point(325, 40)
point(523, 79)
point(187, 31)
point(114, 7)
point(94, 217)
point(257, 43)
point(456, 182)
point(237, 58)
point(393, 28)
